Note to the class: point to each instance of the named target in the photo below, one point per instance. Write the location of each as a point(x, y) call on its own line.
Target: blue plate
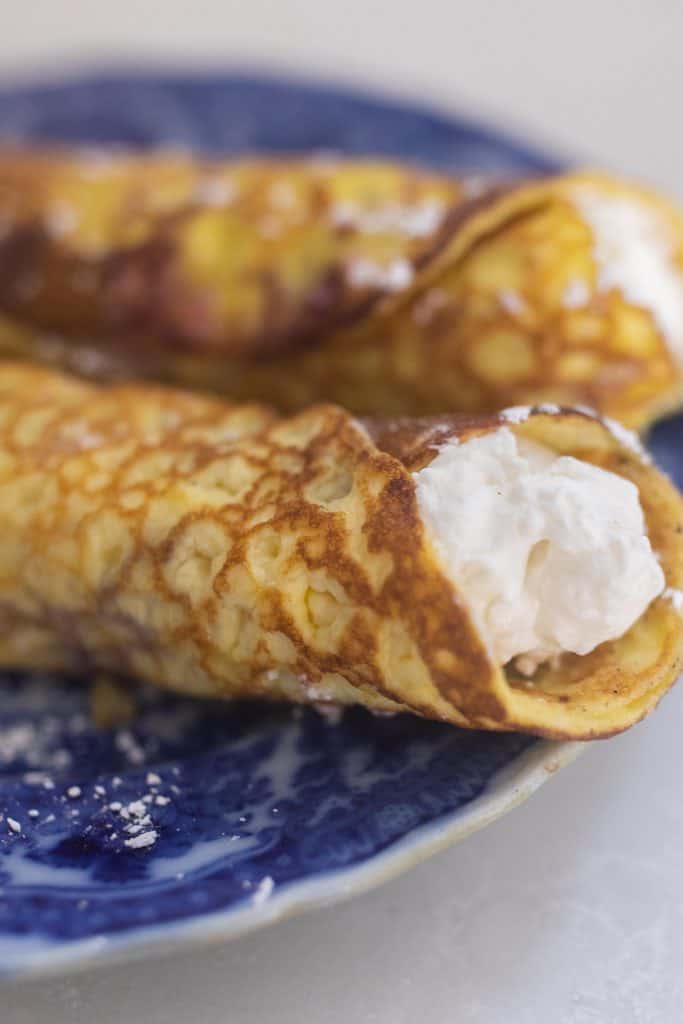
point(203, 821)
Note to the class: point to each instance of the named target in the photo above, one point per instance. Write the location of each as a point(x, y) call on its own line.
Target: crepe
point(226, 551)
point(384, 288)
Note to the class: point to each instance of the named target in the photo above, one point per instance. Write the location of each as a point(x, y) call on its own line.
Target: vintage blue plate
point(198, 822)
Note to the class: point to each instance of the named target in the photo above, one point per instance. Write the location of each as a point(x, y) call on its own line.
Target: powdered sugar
point(142, 841)
point(282, 194)
point(516, 413)
point(511, 301)
point(263, 890)
point(61, 219)
point(393, 277)
point(126, 742)
point(94, 163)
point(549, 409)
point(429, 305)
point(215, 192)
point(675, 597)
point(474, 185)
point(625, 437)
point(519, 413)
point(417, 221)
point(137, 808)
point(576, 294)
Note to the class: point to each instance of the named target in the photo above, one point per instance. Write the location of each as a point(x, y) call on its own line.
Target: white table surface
point(569, 910)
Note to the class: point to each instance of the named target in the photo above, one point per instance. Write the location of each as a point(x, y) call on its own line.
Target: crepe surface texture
point(387, 289)
point(226, 551)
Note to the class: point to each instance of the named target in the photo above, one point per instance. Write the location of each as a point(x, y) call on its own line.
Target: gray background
point(569, 910)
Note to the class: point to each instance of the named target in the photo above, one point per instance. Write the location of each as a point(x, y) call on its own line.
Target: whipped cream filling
point(551, 553)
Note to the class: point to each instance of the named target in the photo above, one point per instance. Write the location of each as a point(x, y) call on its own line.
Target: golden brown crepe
point(225, 551)
point(387, 289)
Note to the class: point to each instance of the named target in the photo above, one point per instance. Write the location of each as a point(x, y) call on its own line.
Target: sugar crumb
point(61, 219)
point(393, 277)
point(215, 192)
point(516, 414)
point(511, 301)
point(576, 294)
point(137, 808)
point(675, 597)
point(143, 841)
point(263, 890)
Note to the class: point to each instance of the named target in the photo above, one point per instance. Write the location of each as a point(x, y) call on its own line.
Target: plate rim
point(505, 790)
point(248, 74)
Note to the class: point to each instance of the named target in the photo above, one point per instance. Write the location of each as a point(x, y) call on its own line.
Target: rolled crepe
point(386, 289)
point(227, 551)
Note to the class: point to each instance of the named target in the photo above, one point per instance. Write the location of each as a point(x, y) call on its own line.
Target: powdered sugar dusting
point(79, 433)
point(416, 221)
point(635, 253)
point(263, 890)
point(549, 408)
point(429, 305)
point(576, 294)
point(62, 219)
point(95, 163)
point(215, 192)
point(516, 413)
point(142, 841)
point(625, 437)
point(474, 185)
point(511, 301)
point(39, 745)
point(393, 277)
point(282, 195)
point(332, 713)
point(675, 597)
point(587, 410)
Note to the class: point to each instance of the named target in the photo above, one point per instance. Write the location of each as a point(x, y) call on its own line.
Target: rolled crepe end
point(604, 692)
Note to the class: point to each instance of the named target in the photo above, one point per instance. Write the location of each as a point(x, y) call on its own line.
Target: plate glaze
point(202, 821)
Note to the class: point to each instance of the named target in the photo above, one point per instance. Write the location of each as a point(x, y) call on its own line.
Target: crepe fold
point(381, 287)
point(226, 551)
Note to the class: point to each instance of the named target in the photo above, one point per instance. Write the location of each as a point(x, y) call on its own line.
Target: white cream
point(550, 553)
point(635, 253)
